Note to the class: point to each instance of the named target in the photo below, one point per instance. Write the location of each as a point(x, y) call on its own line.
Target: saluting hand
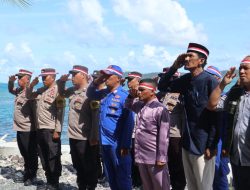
point(133, 92)
point(228, 76)
point(34, 82)
point(12, 78)
point(64, 78)
point(180, 61)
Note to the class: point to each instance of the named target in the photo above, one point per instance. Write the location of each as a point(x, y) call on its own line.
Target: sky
point(137, 35)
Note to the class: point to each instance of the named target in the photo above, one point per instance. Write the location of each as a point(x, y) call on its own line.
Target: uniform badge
point(113, 105)
point(94, 105)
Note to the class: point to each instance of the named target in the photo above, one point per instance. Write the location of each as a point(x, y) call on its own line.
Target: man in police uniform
point(133, 80)
point(24, 124)
point(50, 112)
point(95, 108)
point(83, 137)
point(116, 126)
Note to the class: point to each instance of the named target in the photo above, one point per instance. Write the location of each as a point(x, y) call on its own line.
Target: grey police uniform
point(80, 115)
point(49, 116)
point(23, 112)
point(80, 132)
point(24, 124)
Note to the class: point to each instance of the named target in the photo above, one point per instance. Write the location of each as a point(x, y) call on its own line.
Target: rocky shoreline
point(12, 166)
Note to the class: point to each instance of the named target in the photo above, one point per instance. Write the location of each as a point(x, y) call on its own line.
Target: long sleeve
point(165, 82)
point(62, 90)
point(133, 104)
point(213, 135)
point(94, 94)
point(127, 128)
point(30, 94)
point(11, 87)
point(162, 135)
point(94, 131)
point(60, 106)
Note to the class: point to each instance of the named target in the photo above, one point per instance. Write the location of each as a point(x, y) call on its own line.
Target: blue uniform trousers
point(118, 168)
point(221, 171)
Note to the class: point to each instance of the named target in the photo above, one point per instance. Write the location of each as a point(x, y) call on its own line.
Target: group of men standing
point(176, 131)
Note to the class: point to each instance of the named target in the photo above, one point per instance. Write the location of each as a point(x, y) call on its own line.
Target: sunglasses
point(43, 78)
point(19, 77)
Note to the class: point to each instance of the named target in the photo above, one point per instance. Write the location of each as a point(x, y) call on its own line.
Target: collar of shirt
point(116, 90)
point(80, 90)
point(153, 100)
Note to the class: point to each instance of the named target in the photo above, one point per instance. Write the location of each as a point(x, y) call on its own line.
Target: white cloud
point(87, 22)
point(166, 21)
point(149, 51)
point(69, 57)
point(149, 59)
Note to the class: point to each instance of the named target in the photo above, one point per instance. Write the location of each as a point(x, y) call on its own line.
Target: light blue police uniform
point(116, 126)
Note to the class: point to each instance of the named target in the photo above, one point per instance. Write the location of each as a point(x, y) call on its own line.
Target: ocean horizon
point(7, 108)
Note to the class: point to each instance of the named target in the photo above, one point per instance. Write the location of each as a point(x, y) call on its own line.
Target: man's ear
point(202, 61)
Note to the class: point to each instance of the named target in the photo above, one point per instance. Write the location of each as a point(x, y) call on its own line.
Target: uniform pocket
point(113, 110)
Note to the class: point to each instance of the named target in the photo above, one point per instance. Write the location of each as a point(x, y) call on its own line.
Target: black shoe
point(41, 187)
point(52, 187)
point(29, 181)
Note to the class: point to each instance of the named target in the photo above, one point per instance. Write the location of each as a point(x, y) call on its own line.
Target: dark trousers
point(84, 158)
point(50, 155)
point(28, 148)
point(241, 177)
point(118, 168)
point(176, 170)
point(136, 179)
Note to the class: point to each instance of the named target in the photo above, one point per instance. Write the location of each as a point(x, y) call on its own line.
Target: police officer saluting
point(50, 111)
point(83, 136)
point(24, 124)
point(116, 125)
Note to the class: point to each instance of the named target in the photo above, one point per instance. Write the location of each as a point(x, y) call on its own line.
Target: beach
point(11, 165)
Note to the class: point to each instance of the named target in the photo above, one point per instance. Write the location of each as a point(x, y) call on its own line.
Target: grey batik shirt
point(241, 135)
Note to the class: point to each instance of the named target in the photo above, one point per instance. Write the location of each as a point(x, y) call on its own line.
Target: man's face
point(48, 80)
point(77, 78)
point(23, 80)
point(133, 83)
point(112, 80)
point(145, 94)
point(192, 61)
point(244, 72)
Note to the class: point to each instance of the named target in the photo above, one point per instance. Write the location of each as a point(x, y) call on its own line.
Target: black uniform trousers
point(50, 155)
point(27, 145)
point(84, 158)
point(175, 164)
point(136, 178)
point(241, 177)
